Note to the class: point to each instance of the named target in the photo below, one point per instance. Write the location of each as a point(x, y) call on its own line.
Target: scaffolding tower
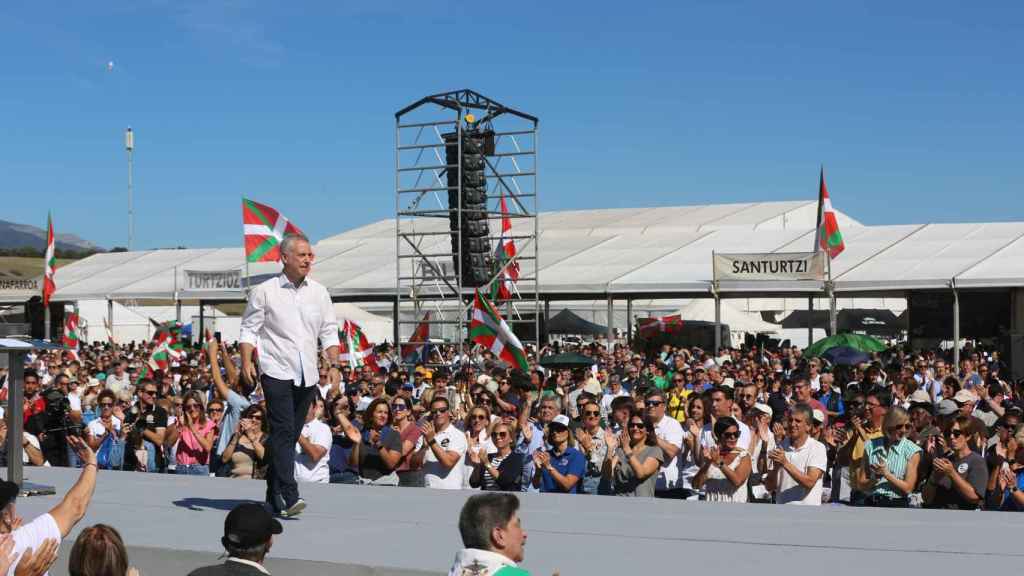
point(448, 223)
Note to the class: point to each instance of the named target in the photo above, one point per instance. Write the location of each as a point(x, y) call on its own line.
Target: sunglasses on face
point(148, 392)
point(501, 434)
point(590, 413)
point(480, 417)
point(900, 427)
point(106, 404)
point(653, 403)
point(214, 410)
point(438, 411)
point(727, 435)
point(399, 407)
point(636, 426)
point(955, 433)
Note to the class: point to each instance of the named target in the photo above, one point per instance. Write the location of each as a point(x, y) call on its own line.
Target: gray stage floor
point(174, 523)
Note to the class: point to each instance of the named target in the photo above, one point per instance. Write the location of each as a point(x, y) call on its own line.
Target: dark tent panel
point(875, 322)
point(566, 322)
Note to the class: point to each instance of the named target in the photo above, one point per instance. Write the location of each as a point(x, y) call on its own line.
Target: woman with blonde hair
point(890, 463)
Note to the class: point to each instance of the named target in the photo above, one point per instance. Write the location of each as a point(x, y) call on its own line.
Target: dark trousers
point(287, 405)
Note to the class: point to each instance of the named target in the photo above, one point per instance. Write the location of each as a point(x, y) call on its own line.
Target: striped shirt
point(896, 458)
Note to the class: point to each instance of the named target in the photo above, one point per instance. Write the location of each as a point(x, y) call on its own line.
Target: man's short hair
point(290, 239)
point(804, 409)
point(620, 402)
point(481, 514)
point(28, 373)
point(654, 393)
point(441, 398)
point(723, 390)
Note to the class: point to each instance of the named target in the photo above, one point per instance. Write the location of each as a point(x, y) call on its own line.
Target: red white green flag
point(502, 287)
point(830, 239)
point(167, 346)
point(264, 230)
point(418, 347)
point(489, 330)
point(49, 263)
point(70, 338)
point(651, 326)
point(355, 347)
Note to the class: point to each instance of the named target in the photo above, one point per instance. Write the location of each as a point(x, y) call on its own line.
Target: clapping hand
point(943, 465)
point(611, 440)
point(428, 431)
point(38, 562)
point(625, 443)
point(779, 431)
point(1007, 478)
point(763, 432)
point(778, 455)
point(879, 468)
point(584, 439)
point(711, 455)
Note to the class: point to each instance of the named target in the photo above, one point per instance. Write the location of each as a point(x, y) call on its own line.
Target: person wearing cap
point(921, 416)
point(760, 424)
point(562, 467)
point(615, 390)
point(36, 542)
point(285, 317)
point(249, 532)
point(493, 538)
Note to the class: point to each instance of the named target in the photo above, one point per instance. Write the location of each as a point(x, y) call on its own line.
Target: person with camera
point(150, 420)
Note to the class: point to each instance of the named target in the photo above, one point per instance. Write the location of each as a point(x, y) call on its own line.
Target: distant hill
point(13, 235)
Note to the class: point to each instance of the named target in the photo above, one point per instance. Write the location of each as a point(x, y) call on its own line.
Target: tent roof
point(567, 322)
point(737, 320)
point(652, 252)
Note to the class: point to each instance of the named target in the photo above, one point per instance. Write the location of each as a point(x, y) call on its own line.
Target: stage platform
point(172, 524)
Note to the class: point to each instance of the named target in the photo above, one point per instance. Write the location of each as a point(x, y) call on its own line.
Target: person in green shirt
point(493, 537)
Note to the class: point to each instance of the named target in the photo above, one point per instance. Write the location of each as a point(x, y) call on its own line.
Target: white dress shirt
point(284, 322)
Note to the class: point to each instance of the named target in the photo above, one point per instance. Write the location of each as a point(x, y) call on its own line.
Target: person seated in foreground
point(249, 532)
point(493, 537)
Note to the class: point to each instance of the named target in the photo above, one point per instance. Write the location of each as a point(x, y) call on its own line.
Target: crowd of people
point(748, 425)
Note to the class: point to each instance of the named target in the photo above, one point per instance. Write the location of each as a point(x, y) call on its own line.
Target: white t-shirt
point(305, 469)
point(32, 535)
point(75, 401)
point(671, 431)
point(437, 476)
point(35, 444)
point(97, 429)
point(116, 384)
point(811, 455)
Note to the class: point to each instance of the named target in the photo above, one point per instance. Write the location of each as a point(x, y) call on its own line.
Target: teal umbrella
point(849, 340)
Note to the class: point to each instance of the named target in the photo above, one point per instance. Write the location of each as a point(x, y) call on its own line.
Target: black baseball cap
point(249, 525)
point(8, 493)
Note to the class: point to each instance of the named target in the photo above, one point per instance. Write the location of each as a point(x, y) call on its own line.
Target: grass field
point(19, 267)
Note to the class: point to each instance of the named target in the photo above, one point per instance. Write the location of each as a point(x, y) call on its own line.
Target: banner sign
point(770, 266)
point(213, 280)
point(20, 285)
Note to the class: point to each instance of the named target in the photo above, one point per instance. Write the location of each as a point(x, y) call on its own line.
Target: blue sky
point(913, 107)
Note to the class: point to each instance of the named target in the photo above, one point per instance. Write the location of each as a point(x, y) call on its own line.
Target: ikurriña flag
point(264, 229)
point(830, 239)
point(49, 263)
point(651, 326)
point(418, 347)
point(489, 330)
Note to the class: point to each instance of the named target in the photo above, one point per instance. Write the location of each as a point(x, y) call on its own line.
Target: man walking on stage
point(284, 317)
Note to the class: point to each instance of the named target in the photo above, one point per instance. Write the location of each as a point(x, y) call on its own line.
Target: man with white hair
point(285, 317)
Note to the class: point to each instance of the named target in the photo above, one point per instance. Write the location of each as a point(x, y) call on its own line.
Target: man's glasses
point(727, 435)
point(148, 391)
point(590, 413)
point(653, 403)
point(437, 411)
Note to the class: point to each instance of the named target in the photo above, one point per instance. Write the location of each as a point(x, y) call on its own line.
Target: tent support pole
point(810, 320)
point(956, 326)
point(629, 322)
point(394, 330)
point(46, 323)
point(547, 317)
point(202, 321)
point(718, 322)
point(611, 323)
point(110, 320)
